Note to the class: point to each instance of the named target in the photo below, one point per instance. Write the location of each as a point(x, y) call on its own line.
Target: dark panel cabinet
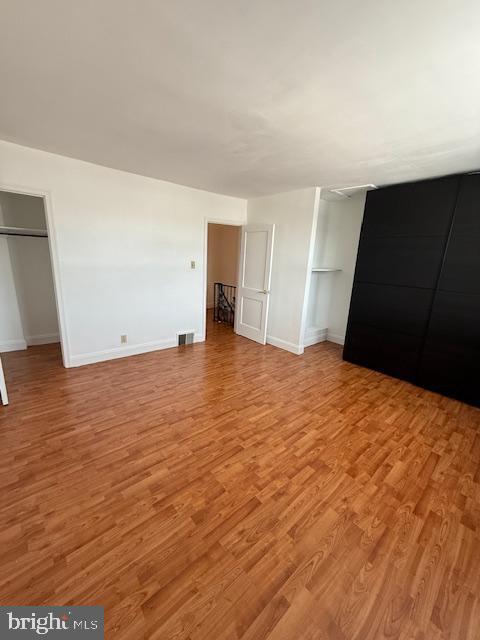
point(467, 215)
point(415, 307)
point(412, 209)
point(461, 271)
point(391, 308)
point(403, 261)
point(384, 350)
point(450, 362)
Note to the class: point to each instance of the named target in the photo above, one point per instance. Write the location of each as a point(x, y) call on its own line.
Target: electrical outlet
point(192, 264)
point(123, 339)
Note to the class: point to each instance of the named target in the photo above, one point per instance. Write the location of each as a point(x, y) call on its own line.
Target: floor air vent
point(185, 338)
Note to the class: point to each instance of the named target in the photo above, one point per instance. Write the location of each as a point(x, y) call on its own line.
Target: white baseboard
point(46, 338)
point(124, 352)
point(13, 345)
point(297, 349)
point(313, 335)
point(335, 337)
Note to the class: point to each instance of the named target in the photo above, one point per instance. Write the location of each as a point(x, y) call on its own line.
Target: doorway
point(223, 250)
point(28, 309)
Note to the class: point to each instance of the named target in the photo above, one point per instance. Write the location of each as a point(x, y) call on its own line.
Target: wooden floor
point(227, 490)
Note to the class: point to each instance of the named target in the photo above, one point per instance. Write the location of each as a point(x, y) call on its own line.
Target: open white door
point(3, 386)
point(254, 281)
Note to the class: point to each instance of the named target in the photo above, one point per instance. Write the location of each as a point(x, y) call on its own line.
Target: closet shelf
point(324, 270)
point(22, 231)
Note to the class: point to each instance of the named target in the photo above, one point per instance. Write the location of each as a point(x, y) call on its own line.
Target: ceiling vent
point(346, 192)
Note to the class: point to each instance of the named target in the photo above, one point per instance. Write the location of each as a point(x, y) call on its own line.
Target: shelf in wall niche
point(324, 270)
point(22, 231)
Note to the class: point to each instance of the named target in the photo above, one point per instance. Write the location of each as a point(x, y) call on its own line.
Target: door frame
point(207, 221)
point(54, 260)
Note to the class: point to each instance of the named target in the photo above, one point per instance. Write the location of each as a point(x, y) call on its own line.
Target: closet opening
point(333, 264)
point(28, 308)
point(223, 251)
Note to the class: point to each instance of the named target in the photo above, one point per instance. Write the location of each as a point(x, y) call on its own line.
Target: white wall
point(223, 254)
point(123, 243)
point(122, 247)
point(31, 269)
point(294, 215)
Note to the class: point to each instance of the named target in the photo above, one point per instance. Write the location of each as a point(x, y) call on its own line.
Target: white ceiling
point(247, 97)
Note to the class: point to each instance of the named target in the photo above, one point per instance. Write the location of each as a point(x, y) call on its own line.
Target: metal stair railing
point(224, 309)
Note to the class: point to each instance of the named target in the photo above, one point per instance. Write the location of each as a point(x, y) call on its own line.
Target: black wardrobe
point(415, 308)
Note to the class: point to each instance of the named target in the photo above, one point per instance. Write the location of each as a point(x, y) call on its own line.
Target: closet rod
point(19, 231)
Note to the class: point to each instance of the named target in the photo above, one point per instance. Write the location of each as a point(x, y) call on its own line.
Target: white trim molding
point(313, 335)
point(13, 345)
point(308, 275)
point(297, 349)
point(45, 338)
point(336, 338)
point(126, 351)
